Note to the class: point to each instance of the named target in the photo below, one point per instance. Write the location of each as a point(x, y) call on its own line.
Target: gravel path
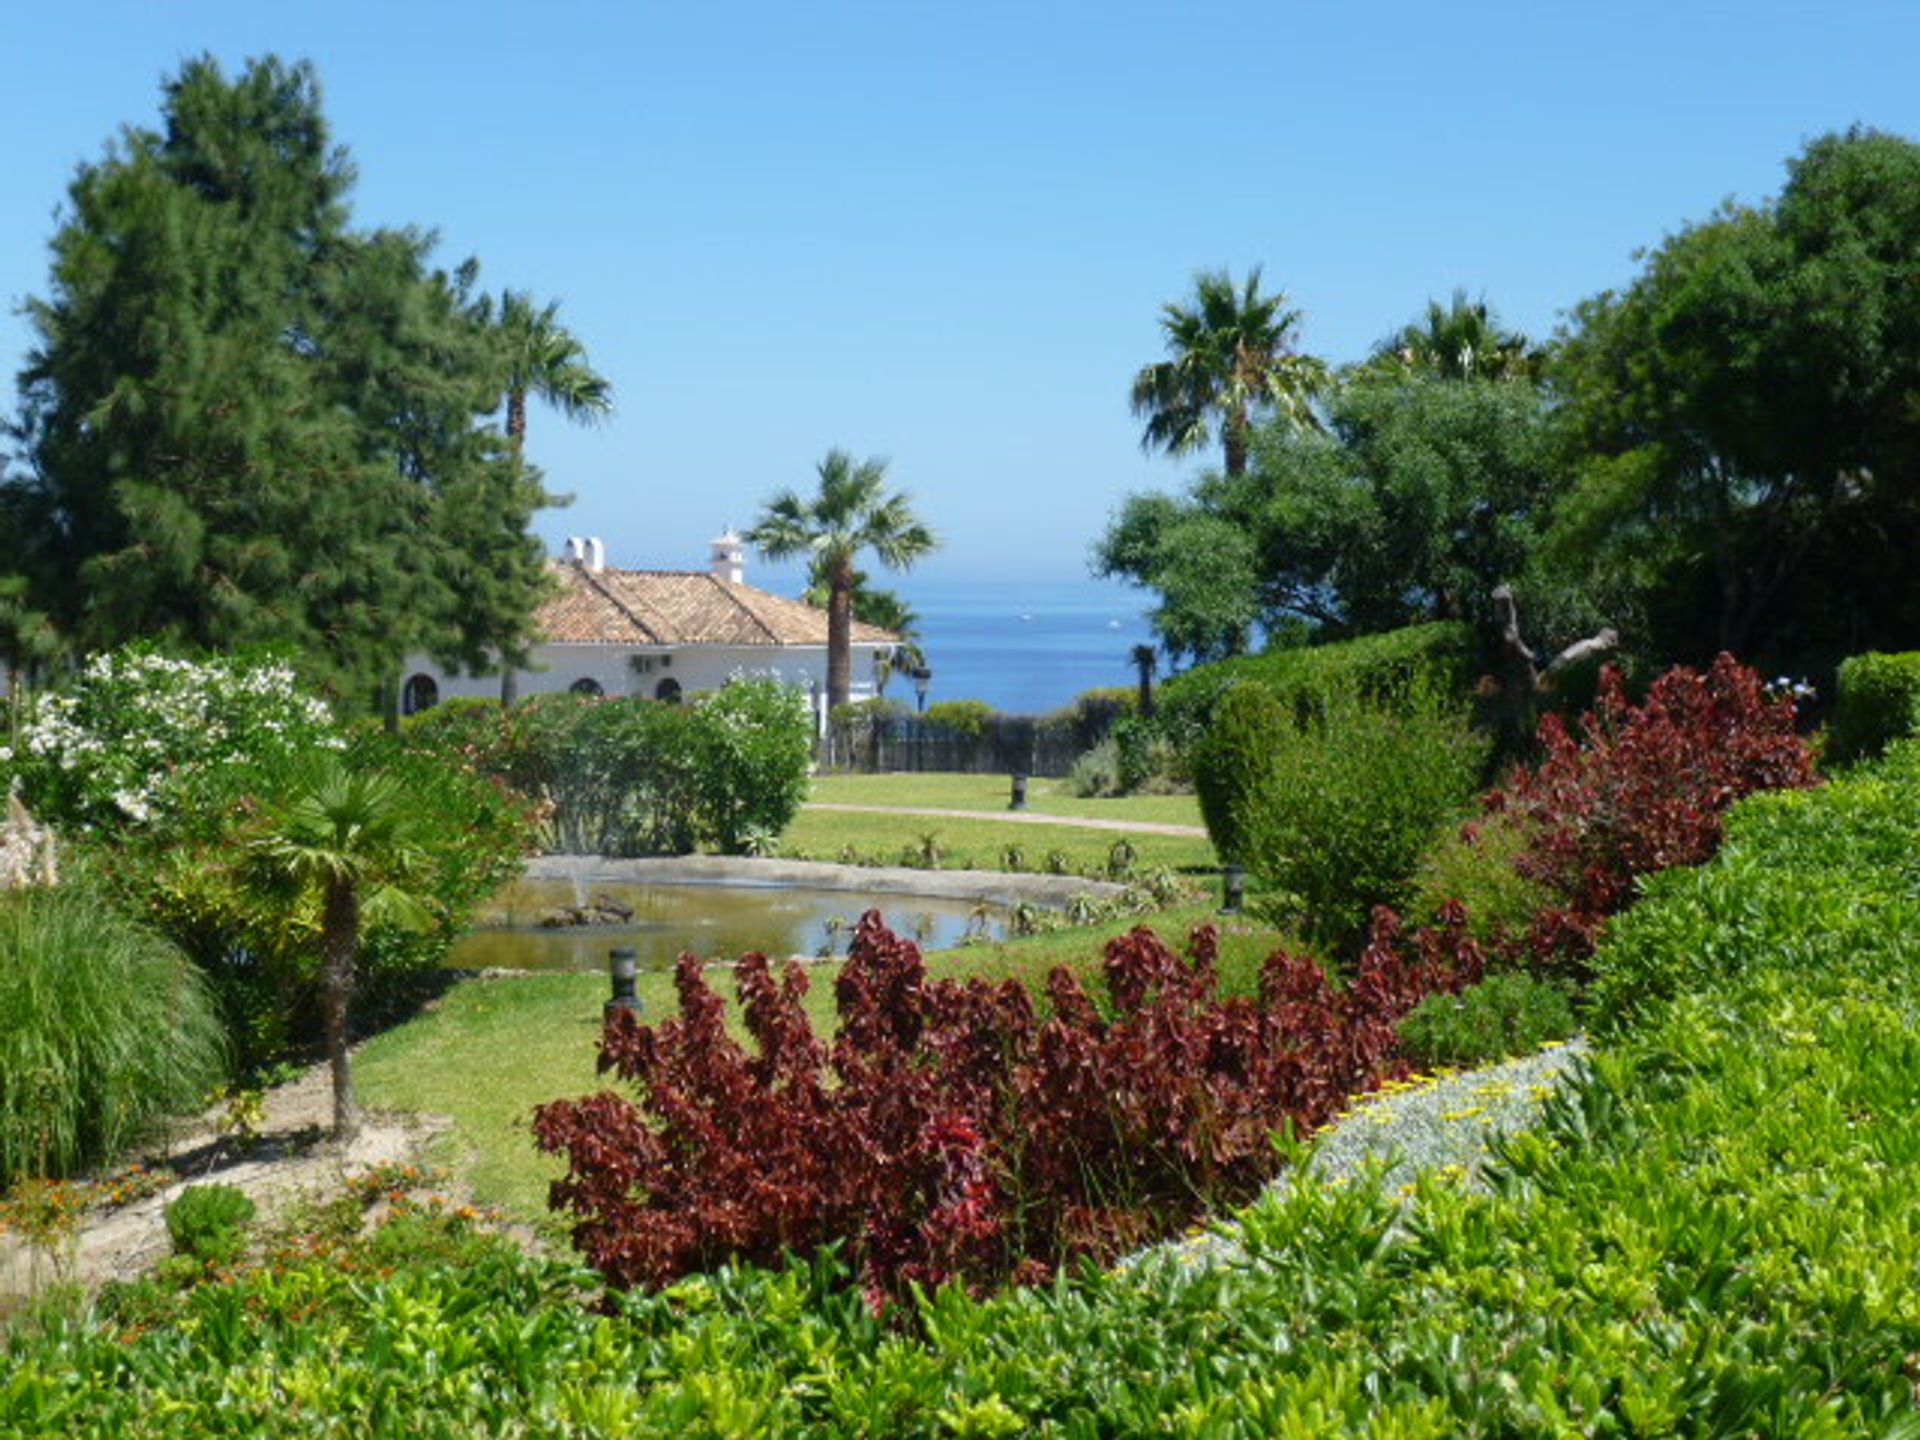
point(1433, 1123)
point(1019, 817)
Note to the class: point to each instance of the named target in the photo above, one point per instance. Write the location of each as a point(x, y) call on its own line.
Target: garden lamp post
point(623, 964)
point(922, 677)
point(1019, 801)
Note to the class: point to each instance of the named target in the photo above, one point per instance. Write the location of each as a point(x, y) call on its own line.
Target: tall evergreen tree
point(246, 422)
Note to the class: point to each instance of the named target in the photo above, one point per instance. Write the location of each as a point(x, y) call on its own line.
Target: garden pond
point(716, 920)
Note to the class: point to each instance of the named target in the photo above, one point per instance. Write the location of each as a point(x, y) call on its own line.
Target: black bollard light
point(1019, 791)
point(1233, 889)
point(624, 965)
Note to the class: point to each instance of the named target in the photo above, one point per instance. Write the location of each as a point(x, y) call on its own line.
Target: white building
point(664, 635)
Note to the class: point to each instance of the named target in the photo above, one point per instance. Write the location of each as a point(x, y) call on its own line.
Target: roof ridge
point(752, 614)
point(650, 632)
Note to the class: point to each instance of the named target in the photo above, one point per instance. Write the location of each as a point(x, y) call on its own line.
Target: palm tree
point(346, 838)
point(542, 357)
point(1462, 340)
point(850, 512)
point(1145, 660)
point(1232, 355)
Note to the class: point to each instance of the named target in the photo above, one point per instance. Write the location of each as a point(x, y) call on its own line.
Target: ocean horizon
point(1025, 647)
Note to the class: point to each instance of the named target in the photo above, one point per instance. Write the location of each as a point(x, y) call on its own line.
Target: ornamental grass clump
point(104, 1028)
point(956, 1131)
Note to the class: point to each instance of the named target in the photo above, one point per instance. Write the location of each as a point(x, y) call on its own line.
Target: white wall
point(696, 667)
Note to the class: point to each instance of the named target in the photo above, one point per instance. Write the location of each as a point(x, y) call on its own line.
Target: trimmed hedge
point(1878, 702)
point(1436, 655)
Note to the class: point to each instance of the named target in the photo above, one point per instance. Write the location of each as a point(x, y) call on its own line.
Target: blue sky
point(941, 233)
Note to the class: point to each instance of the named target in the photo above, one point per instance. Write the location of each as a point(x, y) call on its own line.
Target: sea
point(1025, 647)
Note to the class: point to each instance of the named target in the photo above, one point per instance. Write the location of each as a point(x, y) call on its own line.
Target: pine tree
point(248, 423)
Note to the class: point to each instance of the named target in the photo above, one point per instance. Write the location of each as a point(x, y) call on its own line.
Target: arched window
point(667, 691)
point(421, 692)
point(588, 687)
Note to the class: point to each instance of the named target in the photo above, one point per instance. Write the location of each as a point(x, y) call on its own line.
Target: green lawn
point(981, 844)
point(490, 1050)
point(991, 793)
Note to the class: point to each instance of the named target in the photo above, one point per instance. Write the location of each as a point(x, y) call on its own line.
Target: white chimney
point(730, 558)
point(595, 556)
point(576, 550)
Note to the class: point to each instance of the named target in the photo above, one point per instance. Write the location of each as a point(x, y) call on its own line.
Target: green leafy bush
point(140, 740)
point(209, 1223)
point(1878, 702)
point(104, 1028)
point(1477, 866)
point(1096, 773)
point(1501, 1016)
point(1333, 808)
point(637, 777)
point(754, 749)
point(963, 717)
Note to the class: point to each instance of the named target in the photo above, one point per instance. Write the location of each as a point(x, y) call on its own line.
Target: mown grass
point(982, 844)
point(491, 1050)
point(992, 793)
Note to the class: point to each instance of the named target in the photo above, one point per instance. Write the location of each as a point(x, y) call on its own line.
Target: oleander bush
point(104, 1028)
point(635, 776)
point(1711, 1233)
point(1877, 702)
point(950, 1132)
point(137, 740)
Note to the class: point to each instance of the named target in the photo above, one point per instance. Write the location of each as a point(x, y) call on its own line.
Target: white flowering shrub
point(135, 735)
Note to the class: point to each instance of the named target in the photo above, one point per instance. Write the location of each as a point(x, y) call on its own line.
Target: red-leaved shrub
point(1640, 789)
point(952, 1133)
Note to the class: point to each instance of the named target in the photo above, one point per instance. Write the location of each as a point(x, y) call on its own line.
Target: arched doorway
point(421, 692)
point(588, 687)
point(667, 691)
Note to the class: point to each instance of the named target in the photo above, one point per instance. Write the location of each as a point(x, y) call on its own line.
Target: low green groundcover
point(1714, 1234)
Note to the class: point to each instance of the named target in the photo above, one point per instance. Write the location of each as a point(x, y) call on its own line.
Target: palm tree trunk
point(517, 420)
point(840, 633)
point(1236, 443)
point(339, 945)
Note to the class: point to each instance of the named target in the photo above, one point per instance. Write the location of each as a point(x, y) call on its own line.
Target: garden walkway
point(1020, 817)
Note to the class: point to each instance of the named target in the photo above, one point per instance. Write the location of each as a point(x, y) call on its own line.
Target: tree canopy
point(245, 421)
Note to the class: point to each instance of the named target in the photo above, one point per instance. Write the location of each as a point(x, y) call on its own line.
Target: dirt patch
point(292, 1158)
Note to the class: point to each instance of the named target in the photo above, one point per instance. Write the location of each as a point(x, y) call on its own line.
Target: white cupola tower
point(730, 558)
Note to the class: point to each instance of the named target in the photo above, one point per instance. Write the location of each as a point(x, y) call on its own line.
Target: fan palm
point(346, 839)
point(1463, 340)
point(543, 358)
point(850, 512)
point(1232, 355)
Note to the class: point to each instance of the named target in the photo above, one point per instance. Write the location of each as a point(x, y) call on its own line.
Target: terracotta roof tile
point(680, 607)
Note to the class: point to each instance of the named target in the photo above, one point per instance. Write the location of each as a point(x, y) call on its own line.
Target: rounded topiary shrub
point(104, 1027)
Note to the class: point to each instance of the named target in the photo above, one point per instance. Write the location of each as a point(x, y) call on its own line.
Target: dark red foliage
point(1643, 788)
point(950, 1133)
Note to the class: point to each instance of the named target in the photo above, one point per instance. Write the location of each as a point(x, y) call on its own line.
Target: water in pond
point(722, 922)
